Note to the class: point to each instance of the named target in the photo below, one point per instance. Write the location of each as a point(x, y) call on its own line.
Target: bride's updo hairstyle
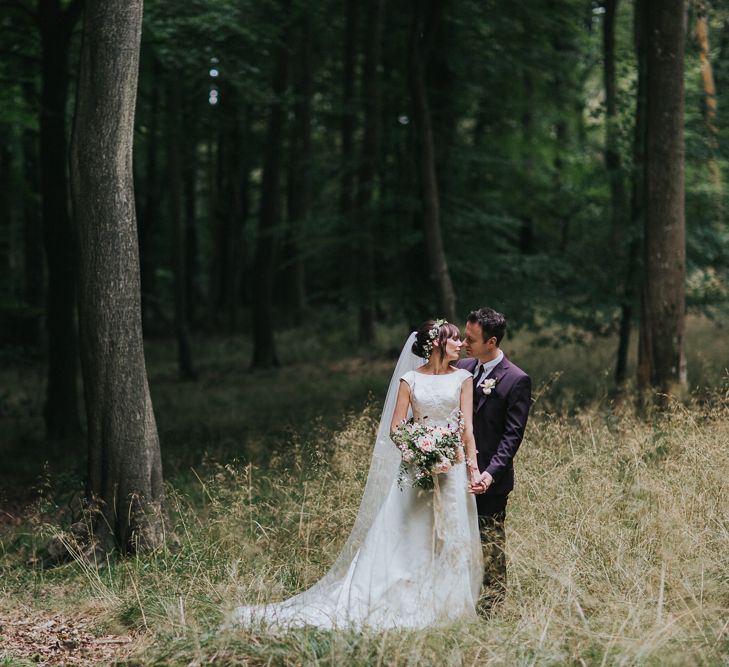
point(429, 332)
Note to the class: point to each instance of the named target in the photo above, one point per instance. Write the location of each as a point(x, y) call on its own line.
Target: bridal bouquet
point(427, 450)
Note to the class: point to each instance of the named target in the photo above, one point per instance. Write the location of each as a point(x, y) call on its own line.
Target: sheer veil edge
point(382, 473)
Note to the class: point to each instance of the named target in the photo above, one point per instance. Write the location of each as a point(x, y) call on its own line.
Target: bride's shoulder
point(462, 374)
point(409, 377)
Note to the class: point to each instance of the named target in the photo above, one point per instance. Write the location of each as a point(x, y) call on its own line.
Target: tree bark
point(264, 349)
point(526, 228)
point(634, 234)
point(299, 172)
point(189, 180)
point(177, 220)
point(150, 209)
point(347, 171)
point(613, 159)
point(662, 364)
point(560, 47)
point(33, 225)
point(125, 470)
point(233, 185)
point(6, 218)
point(61, 409)
point(367, 173)
point(421, 45)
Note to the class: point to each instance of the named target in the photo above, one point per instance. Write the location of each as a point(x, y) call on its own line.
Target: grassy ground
point(618, 530)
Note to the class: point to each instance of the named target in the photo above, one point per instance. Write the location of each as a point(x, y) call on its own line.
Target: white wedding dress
point(414, 558)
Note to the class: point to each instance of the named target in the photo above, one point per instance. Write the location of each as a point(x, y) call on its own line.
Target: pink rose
point(444, 465)
point(425, 444)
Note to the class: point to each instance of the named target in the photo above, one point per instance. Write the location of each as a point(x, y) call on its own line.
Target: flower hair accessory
point(432, 335)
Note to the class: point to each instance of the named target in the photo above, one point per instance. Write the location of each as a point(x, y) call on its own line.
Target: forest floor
point(618, 531)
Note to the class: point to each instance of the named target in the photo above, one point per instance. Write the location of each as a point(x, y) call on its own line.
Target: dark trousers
point(492, 514)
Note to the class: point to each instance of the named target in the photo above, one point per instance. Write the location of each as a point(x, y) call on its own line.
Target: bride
point(413, 558)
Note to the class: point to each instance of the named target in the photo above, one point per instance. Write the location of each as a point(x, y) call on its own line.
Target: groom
point(501, 400)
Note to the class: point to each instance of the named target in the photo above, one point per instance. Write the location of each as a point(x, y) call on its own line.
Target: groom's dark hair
point(493, 323)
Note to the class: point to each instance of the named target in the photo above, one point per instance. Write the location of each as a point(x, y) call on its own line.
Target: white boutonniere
point(487, 385)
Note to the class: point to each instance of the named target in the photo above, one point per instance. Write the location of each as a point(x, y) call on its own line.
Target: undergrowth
point(617, 535)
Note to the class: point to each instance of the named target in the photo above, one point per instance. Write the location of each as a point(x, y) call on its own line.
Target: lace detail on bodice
point(436, 397)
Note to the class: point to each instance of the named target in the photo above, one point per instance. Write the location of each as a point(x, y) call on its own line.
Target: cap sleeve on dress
point(409, 378)
point(465, 374)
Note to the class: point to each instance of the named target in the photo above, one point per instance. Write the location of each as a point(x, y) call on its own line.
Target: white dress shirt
point(481, 371)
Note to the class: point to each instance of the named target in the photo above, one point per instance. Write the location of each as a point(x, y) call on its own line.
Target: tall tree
point(613, 159)
point(661, 356)
point(423, 31)
point(634, 231)
point(33, 226)
point(264, 349)
point(149, 209)
point(125, 470)
point(234, 185)
point(56, 22)
point(367, 172)
point(347, 125)
point(178, 222)
point(299, 167)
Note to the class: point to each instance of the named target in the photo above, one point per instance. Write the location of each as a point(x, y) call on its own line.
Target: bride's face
point(453, 347)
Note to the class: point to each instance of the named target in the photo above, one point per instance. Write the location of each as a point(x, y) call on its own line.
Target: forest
point(219, 221)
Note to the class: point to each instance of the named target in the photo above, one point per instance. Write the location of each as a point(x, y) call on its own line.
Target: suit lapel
point(470, 365)
point(496, 374)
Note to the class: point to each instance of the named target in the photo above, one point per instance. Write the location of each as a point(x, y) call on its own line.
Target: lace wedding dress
point(413, 558)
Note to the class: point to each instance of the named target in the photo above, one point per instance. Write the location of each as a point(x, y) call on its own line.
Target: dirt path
point(55, 639)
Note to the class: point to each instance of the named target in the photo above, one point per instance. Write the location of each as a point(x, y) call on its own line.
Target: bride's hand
point(473, 474)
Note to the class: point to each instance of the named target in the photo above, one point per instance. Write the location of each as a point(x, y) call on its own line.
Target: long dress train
point(417, 564)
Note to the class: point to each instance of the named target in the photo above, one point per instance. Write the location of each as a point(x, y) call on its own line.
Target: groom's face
point(476, 346)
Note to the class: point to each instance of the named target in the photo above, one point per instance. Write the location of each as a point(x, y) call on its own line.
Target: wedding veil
point(382, 473)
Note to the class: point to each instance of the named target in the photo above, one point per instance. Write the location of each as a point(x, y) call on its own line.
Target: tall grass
point(618, 546)
point(617, 531)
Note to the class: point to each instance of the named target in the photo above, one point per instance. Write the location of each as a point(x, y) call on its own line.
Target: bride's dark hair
point(423, 345)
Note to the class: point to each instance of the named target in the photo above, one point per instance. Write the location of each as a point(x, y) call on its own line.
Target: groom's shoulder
point(515, 371)
point(465, 364)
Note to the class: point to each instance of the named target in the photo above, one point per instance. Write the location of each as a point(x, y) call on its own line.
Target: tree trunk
point(264, 349)
point(526, 228)
point(710, 106)
point(125, 470)
point(367, 173)
point(442, 92)
point(33, 231)
point(61, 410)
point(177, 220)
point(6, 218)
point(633, 234)
point(347, 169)
point(662, 364)
point(561, 135)
point(213, 181)
point(189, 185)
point(150, 210)
point(299, 176)
point(613, 159)
point(231, 216)
point(420, 48)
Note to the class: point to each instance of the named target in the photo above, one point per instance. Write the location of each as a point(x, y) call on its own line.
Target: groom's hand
point(482, 484)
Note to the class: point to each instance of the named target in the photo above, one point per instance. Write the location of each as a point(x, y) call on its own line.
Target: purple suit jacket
point(499, 420)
